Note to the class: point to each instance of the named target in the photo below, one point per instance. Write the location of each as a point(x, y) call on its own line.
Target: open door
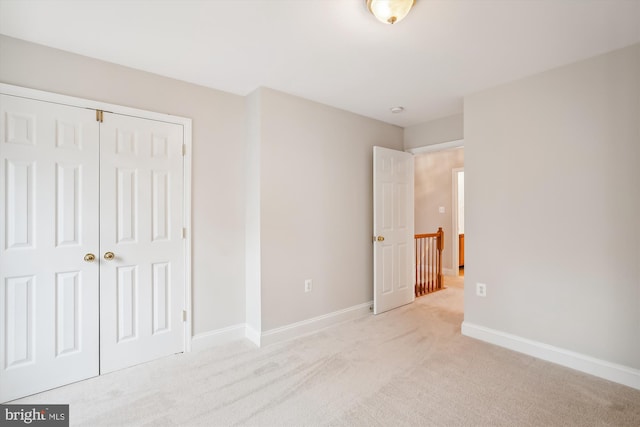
point(392, 229)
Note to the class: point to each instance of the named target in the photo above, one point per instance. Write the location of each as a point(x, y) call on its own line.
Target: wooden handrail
point(438, 233)
point(423, 236)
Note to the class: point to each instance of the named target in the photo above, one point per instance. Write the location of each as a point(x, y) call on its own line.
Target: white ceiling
point(334, 51)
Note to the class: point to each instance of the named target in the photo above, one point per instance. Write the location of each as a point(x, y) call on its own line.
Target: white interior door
point(48, 222)
point(141, 215)
point(392, 229)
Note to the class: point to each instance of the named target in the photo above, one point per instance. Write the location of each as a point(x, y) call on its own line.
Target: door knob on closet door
point(380, 238)
point(109, 256)
point(89, 257)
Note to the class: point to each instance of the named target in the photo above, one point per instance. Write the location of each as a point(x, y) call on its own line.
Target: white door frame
point(187, 141)
point(454, 220)
point(444, 146)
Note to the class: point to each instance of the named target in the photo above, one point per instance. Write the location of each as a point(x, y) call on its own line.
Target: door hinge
point(184, 149)
point(99, 116)
point(184, 232)
point(184, 315)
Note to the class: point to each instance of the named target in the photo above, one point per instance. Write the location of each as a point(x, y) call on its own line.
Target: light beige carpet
point(410, 366)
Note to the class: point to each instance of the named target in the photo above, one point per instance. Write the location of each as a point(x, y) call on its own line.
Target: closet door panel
point(142, 286)
point(48, 223)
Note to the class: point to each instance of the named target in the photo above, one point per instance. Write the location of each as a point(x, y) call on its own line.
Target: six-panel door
point(49, 217)
point(141, 209)
point(392, 229)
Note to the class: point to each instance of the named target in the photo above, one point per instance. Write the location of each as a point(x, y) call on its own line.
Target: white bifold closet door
point(141, 200)
point(73, 190)
point(49, 163)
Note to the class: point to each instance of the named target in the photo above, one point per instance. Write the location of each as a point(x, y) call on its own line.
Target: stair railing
point(428, 270)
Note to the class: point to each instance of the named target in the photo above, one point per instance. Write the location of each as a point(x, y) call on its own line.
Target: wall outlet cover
point(481, 289)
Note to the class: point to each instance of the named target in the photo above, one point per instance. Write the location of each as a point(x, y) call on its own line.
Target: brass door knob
point(89, 257)
point(380, 239)
point(109, 256)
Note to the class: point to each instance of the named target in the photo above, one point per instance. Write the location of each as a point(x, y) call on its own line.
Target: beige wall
point(434, 188)
point(218, 158)
point(552, 165)
point(282, 187)
point(445, 129)
point(316, 206)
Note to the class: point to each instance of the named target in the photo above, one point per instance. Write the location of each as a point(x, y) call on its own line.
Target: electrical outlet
point(481, 289)
point(308, 285)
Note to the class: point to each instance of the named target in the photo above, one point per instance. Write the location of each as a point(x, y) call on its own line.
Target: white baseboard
point(600, 368)
point(294, 330)
point(217, 337)
point(314, 324)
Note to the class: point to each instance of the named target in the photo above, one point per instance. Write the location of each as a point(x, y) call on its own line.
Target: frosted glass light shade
point(390, 11)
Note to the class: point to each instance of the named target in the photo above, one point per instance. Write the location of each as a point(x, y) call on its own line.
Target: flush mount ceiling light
point(396, 110)
point(390, 11)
